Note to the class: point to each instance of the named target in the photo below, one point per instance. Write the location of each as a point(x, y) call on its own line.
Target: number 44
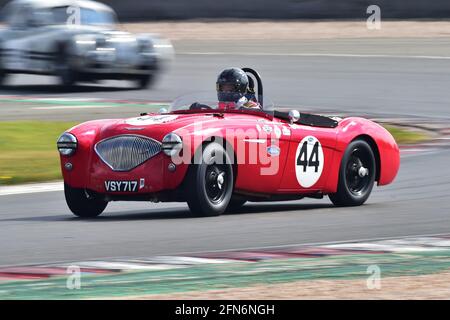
point(313, 160)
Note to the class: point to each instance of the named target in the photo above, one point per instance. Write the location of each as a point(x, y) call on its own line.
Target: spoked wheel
point(210, 183)
point(356, 176)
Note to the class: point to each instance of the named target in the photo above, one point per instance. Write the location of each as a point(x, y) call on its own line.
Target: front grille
point(124, 153)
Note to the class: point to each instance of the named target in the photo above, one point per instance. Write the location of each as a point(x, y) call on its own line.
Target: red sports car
point(216, 156)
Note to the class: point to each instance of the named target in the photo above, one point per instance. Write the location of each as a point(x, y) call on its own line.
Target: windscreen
point(63, 15)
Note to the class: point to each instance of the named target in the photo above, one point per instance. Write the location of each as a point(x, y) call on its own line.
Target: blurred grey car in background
point(76, 40)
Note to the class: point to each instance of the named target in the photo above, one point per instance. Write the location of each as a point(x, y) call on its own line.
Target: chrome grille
point(124, 153)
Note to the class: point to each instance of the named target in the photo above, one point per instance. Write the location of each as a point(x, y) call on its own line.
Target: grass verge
point(407, 136)
point(28, 149)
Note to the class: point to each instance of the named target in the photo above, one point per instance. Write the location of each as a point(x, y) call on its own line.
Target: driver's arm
point(252, 105)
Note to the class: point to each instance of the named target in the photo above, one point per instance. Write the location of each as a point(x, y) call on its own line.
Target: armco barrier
point(132, 10)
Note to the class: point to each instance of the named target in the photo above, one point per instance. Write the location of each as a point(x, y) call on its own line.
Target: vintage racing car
point(216, 157)
point(76, 40)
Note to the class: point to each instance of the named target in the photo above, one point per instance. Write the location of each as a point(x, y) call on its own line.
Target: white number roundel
point(309, 162)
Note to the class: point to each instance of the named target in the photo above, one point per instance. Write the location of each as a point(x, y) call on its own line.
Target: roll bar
point(255, 74)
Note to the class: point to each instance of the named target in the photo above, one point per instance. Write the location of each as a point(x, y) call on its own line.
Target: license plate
point(121, 186)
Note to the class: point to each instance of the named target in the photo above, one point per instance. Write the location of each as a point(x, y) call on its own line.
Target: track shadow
point(251, 208)
point(176, 213)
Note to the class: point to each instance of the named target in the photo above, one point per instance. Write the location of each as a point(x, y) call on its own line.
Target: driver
point(233, 90)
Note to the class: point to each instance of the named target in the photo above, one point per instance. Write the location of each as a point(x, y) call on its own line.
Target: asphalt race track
point(391, 76)
point(40, 228)
point(371, 76)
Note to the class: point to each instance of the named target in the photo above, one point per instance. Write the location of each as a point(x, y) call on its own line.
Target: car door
point(261, 166)
point(308, 162)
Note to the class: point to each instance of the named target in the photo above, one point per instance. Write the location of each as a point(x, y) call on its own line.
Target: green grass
point(28, 149)
point(406, 136)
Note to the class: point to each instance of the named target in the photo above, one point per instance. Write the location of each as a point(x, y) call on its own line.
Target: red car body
point(89, 171)
point(216, 156)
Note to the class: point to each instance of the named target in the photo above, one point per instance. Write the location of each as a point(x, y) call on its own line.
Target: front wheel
point(82, 206)
point(210, 183)
point(356, 175)
point(64, 70)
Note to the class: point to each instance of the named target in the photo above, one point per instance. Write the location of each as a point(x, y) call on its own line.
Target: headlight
point(84, 45)
point(172, 144)
point(67, 144)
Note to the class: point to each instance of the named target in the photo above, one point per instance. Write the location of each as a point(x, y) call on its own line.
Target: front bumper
point(156, 182)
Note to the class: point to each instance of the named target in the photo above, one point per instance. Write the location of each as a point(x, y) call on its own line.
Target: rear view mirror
point(294, 116)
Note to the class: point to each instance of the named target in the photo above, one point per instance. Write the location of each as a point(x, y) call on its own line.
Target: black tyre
point(146, 81)
point(81, 205)
point(210, 183)
point(356, 175)
point(64, 70)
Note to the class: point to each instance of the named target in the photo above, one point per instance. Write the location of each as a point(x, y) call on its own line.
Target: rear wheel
point(82, 206)
point(210, 183)
point(356, 176)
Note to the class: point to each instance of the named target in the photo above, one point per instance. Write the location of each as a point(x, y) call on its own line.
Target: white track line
point(189, 253)
point(337, 55)
point(310, 244)
point(31, 188)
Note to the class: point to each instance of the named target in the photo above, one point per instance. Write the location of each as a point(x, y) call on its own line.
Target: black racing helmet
point(231, 85)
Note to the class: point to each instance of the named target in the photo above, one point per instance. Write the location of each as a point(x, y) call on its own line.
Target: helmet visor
point(227, 87)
